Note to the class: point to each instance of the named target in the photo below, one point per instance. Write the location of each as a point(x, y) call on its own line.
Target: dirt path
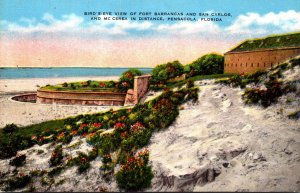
point(221, 145)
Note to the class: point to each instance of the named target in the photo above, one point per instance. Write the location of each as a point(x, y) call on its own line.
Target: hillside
point(218, 143)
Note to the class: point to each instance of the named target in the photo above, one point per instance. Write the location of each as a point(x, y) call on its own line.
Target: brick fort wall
point(250, 61)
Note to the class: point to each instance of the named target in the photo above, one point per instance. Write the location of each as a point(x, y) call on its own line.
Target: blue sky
point(13, 10)
point(62, 24)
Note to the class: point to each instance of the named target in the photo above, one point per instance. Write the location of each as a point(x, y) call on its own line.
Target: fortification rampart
point(141, 84)
point(250, 61)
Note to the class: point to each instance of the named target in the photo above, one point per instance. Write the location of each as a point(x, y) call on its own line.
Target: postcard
point(149, 96)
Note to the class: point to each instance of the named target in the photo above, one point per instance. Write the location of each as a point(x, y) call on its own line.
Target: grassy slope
point(93, 86)
point(197, 78)
point(34, 129)
point(277, 41)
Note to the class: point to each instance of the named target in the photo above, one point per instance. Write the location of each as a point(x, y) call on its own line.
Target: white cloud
point(185, 28)
point(254, 23)
point(245, 25)
point(72, 24)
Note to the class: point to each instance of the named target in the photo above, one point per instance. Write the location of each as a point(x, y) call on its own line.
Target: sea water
point(15, 73)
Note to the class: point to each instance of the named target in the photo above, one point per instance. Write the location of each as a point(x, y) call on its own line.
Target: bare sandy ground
point(222, 145)
point(22, 113)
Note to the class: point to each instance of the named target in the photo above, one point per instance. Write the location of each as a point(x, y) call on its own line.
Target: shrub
point(73, 86)
point(64, 137)
point(127, 78)
point(19, 181)
point(65, 84)
point(55, 171)
point(107, 163)
point(82, 161)
point(137, 140)
point(163, 72)
point(19, 160)
point(190, 84)
point(295, 115)
point(56, 156)
point(264, 97)
point(135, 174)
point(192, 95)
point(207, 64)
point(295, 62)
point(10, 128)
point(111, 84)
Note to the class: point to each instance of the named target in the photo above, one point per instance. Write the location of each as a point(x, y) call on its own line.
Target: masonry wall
point(81, 98)
point(250, 61)
point(132, 97)
point(141, 85)
point(25, 98)
point(140, 88)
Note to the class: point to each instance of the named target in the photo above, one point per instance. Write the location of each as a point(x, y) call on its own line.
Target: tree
point(208, 64)
point(163, 72)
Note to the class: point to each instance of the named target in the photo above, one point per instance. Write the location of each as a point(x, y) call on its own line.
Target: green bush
point(127, 78)
point(207, 64)
point(10, 128)
point(56, 156)
point(18, 161)
point(83, 162)
point(295, 115)
point(135, 174)
point(266, 97)
point(55, 171)
point(19, 181)
point(163, 72)
point(137, 140)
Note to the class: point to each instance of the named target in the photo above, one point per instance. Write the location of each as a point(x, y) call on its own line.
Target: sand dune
point(222, 145)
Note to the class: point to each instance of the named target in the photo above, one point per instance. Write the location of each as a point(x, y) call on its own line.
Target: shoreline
point(22, 113)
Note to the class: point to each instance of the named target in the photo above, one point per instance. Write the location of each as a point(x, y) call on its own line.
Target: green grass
point(92, 86)
point(84, 89)
point(34, 129)
point(270, 42)
point(197, 78)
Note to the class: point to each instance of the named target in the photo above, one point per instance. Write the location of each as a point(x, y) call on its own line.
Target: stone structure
point(140, 88)
point(80, 98)
point(31, 97)
point(260, 54)
point(132, 97)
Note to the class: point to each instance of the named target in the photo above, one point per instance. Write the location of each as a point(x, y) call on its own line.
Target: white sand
point(219, 130)
point(22, 113)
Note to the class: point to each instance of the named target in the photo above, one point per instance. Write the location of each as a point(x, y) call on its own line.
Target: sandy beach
point(22, 113)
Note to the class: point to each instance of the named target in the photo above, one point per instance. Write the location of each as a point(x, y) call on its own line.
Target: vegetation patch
point(125, 82)
point(295, 115)
point(264, 88)
point(276, 41)
point(18, 161)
